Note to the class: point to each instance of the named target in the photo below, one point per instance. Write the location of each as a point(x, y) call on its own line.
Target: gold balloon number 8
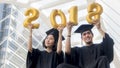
point(32, 14)
point(94, 12)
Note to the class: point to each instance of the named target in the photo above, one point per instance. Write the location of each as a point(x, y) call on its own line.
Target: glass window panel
point(23, 66)
point(9, 54)
point(38, 37)
point(9, 66)
point(15, 14)
point(3, 44)
point(5, 10)
point(5, 23)
point(13, 46)
point(34, 42)
point(22, 53)
point(25, 45)
point(21, 40)
point(41, 47)
point(13, 24)
point(13, 35)
point(5, 32)
point(17, 61)
point(2, 55)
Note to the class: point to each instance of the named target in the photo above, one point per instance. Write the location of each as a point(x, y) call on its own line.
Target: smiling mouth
point(88, 39)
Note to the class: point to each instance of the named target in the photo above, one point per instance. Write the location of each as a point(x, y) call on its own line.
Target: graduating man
point(91, 55)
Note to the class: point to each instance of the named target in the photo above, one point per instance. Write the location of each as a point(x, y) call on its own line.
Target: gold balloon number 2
point(94, 12)
point(32, 14)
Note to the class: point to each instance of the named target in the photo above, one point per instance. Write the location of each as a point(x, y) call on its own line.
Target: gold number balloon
point(53, 14)
point(94, 12)
point(73, 15)
point(32, 14)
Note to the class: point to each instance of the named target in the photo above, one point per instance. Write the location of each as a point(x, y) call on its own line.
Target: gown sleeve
point(60, 58)
point(71, 58)
point(32, 58)
point(57, 59)
point(107, 45)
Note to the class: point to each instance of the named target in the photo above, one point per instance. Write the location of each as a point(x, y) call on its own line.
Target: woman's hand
point(59, 44)
point(30, 26)
point(60, 28)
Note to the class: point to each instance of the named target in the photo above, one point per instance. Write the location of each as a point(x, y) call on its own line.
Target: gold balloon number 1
point(32, 14)
point(73, 17)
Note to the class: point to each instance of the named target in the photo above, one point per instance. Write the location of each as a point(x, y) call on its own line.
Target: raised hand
point(97, 23)
point(69, 26)
point(60, 28)
point(30, 26)
point(59, 44)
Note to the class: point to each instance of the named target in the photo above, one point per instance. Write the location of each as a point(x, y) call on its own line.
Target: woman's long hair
point(54, 48)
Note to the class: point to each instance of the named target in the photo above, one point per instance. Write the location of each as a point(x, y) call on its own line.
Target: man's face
point(87, 37)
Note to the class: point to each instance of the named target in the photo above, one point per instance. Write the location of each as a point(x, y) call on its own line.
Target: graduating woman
point(51, 56)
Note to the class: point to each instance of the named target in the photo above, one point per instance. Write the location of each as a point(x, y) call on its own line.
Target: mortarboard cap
point(83, 28)
point(54, 32)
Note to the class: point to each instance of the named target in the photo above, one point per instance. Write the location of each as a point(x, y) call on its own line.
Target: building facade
point(14, 37)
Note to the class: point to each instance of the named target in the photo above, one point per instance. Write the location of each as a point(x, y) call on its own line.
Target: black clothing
point(93, 56)
point(43, 59)
point(65, 65)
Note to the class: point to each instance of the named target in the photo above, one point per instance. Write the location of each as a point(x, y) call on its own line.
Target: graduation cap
point(83, 28)
point(55, 33)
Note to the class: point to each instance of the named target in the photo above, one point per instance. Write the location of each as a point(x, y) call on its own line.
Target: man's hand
point(97, 23)
point(69, 26)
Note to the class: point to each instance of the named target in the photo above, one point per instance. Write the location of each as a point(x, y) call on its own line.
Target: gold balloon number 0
point(32, 14)
point(94, 12)
point(53, 14)
point(73, 17)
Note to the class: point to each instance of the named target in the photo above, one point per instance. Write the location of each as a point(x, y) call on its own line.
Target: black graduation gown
point(94, 56)
point(43, 59)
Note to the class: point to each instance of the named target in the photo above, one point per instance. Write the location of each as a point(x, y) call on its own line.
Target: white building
point(14, 37)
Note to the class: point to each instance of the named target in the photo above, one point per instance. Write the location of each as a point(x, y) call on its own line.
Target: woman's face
point(49, 41)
